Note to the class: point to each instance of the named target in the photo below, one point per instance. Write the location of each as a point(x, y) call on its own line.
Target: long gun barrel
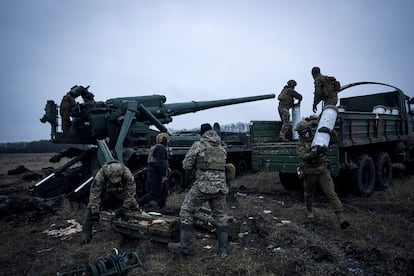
point(126, 120)
point(175, 109)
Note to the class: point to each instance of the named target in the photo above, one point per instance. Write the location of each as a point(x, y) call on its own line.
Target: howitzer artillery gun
point(122, 124)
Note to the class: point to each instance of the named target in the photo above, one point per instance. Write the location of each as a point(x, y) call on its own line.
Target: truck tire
point(242, 168)
point(383, 169)
point(364, 176)
point(290, 181)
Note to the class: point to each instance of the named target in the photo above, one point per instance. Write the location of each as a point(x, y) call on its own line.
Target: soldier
point(68, 102)
point(286, 101)
point(113, 183)
point(315, 169)
point(325, 90)
point(208, 158)
point(157, 172)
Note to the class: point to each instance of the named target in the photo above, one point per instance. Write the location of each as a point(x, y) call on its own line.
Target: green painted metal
point(359, 128)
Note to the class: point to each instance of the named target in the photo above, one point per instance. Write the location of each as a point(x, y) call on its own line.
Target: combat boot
point(309, 212)
point(342, 222)
point(223, 241)
point(86, 235)
point(183, 246)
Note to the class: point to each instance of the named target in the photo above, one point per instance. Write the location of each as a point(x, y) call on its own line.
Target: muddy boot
point(86, 235)
point(223, 241)
point(342, 222)
point(183, 246)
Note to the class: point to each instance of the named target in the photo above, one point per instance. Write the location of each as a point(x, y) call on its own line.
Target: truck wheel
point(383, 169)
point(290, 181)
point(242, 168)
point(364, 176)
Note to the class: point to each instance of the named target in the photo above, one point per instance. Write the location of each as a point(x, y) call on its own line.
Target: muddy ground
point(274, 237)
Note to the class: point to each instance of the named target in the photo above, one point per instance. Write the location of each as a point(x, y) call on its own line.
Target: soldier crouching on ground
point(315, 169)
point(208, 158)
point(114, 184)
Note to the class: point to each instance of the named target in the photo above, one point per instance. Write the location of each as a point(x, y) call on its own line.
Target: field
point(275, 237)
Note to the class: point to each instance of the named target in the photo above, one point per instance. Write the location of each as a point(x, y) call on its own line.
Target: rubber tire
point(383, 170)
point(290, 181)
point(242, 168)
point(364, 176)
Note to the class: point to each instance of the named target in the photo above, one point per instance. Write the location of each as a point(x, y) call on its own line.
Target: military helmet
point(205, 127)
point(292, 83)
point(114, 171)
point(305, 130)
point(162, 137)
point(316, 71)
point(302, 126)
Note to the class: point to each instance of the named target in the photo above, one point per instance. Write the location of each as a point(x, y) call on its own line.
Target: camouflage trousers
point(328, 187)
point(195, 199)
point(285, 117)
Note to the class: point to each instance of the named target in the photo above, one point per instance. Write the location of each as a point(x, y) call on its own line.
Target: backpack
point(332, 85)
point(214, 159)
point(284, 95)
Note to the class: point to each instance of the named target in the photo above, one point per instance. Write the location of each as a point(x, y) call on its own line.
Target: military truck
point(118, 128)
point(375, 131)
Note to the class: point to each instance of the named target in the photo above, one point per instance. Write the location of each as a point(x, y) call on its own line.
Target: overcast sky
point(194, 50)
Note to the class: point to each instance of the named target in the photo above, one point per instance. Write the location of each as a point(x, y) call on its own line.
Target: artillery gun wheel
point(383, 169)
point(176, 181)
point(290, 181)
point(364, 176)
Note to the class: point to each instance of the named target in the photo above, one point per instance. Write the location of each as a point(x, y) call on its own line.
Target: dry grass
point(380, 240)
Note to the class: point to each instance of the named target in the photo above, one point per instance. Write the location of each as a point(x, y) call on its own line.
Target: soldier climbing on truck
point(286, 101)
point(372, 137)
point(326, 89)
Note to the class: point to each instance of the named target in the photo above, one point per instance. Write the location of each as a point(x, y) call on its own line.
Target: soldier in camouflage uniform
point(322, 90)
point(66, 105)
point(113, 183)
point(315, 169)
point(286, 102)
point(157, 172)
point(208, 159)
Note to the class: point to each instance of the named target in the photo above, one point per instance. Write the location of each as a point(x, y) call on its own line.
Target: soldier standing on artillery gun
point(208, 158)
point(69, 101)
point(286, 102)
point(114, 185)
point(315, 169)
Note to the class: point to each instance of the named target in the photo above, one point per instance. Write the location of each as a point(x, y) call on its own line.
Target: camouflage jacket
point(208, 181)
point(321, 92)
point(287, 96)
point(311, 163)
point(113, 179)
point(67, 103)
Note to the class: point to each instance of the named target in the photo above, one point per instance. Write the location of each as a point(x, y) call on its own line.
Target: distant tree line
point(234, 127)
point(46, 146)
